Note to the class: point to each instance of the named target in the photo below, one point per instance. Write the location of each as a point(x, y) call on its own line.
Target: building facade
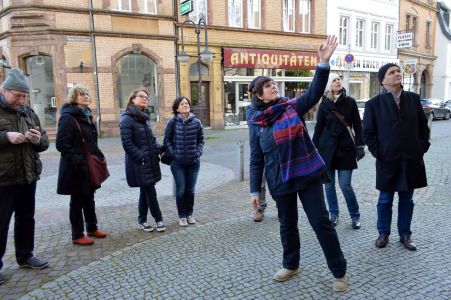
point(366, 30)
point(442, 69)
point(418, 17)
point(114, 46)
point(249, 38)
point(108, 46)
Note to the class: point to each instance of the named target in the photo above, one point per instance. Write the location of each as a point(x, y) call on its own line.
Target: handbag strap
point(342, 120)
point(85, 146)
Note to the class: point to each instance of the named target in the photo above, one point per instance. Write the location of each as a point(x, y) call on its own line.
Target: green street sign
point(186, 7)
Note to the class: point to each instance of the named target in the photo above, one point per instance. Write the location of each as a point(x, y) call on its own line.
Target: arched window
point(134, 71)
point(193, 70)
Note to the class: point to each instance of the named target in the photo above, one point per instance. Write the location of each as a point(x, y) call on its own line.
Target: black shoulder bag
point(166, 158)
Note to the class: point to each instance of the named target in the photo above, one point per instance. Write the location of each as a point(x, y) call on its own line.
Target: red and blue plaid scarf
point(297, 155)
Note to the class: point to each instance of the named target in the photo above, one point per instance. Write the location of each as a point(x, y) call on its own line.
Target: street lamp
point(206, 56)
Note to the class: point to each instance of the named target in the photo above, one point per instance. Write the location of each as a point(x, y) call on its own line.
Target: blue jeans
point(405, 212)
point(185, 177)
point(312, 199)
point(148, 201)
point(344, 180)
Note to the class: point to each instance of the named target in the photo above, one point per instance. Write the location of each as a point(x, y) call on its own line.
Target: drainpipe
point(94, 62)
point(177, 70)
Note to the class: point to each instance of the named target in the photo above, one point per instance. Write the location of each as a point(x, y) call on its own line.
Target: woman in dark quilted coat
point(184, 141)
point(73, 178)
point(142, 162)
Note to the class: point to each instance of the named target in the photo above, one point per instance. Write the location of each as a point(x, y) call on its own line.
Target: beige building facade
point(114, 46)
point(418, 17)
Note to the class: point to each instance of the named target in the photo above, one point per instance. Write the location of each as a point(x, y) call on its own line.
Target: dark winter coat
point(142, 162)
point(398, 139)
point(331, 137)
point(185, 140)
point(263, 149)
point(19, 163)
point(73, 178)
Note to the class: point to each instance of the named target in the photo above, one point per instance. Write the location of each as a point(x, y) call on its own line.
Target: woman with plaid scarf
point(281, 146)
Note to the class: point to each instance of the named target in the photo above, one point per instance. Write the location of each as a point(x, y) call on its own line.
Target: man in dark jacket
point(21, 140)
point(396, 132)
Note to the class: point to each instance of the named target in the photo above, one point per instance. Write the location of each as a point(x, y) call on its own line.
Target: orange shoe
point(97, 234)
point(83, 241)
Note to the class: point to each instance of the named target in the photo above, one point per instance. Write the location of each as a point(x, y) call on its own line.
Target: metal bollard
point(240, 145)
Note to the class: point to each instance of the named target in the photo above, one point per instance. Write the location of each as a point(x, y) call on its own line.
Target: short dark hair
point(259, 84)
point(176, 103)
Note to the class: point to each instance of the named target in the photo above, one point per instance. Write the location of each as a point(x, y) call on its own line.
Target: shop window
point(199, 11)
point(42, 89)
point(134, 71)
point(304, 12)
point(235, 12)
point(288, 15)
point(253, 14)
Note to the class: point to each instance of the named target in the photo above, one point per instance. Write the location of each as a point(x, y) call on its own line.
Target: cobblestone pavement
point(226, 255)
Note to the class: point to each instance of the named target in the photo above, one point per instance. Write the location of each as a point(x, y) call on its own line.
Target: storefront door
point(42, 89)
point(202, 111)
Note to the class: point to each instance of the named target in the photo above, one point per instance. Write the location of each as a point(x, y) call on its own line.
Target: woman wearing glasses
point(73, 177)
point(142, 162)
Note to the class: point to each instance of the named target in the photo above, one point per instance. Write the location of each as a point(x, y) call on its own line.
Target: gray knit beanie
point(16, 80)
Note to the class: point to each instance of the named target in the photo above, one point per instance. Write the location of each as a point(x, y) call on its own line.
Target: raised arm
point(307, 100)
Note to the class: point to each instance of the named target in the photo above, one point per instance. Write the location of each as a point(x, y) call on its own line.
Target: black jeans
point(20, 200)
point(312, 199)
point(148, 201)
point(82, 205)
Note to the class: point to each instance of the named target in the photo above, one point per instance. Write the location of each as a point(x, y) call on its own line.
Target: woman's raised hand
point(326, 49)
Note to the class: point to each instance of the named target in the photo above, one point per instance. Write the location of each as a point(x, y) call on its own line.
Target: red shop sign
point(269, 59)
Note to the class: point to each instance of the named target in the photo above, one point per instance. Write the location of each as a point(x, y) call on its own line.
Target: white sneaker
point(191, 220)
point(146, 227)
point(183, 222)
point(340, 284)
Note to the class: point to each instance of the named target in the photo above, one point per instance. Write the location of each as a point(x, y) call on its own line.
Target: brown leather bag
point(97, 167)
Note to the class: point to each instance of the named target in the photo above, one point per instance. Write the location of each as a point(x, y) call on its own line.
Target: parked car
point(437, 107)
point(361, 107)
point(448, 104)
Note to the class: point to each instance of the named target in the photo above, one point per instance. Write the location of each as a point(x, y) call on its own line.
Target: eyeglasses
point(83, 94)
point(143, 97)
point(18, 95)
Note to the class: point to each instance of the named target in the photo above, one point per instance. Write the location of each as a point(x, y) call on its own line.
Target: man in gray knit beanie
point(21, 139)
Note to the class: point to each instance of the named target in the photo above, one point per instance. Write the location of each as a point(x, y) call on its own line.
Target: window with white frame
point(124, 5)
point(235, 13)
point(288, 15)
point(147, 6)
point(304, 11)
point(343, 31)
point(253, 14)
point(199, 11)
point(359, 33)
point(388, 37)
point(374, 35)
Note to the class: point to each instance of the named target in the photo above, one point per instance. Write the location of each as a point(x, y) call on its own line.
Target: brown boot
point(259, 216)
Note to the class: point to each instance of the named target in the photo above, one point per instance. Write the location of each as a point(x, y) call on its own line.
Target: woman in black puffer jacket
point(73, 178)
point(142, 151)
point(184, 141)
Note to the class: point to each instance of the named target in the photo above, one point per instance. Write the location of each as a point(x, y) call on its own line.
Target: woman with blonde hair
point(142, 162)
point(76, 127)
